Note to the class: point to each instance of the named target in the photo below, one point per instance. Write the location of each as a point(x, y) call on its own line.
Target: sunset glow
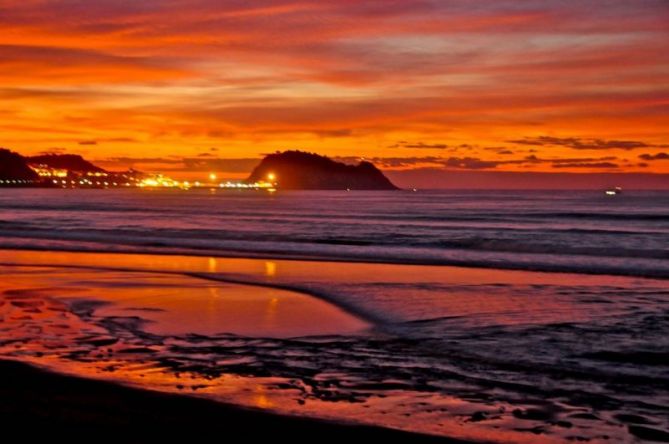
point(186, 87)
point(352, 220)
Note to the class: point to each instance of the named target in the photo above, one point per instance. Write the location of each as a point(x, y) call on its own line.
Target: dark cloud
point(120, 139)
point(476, 163)
point(578, 143)
point(206, 162)
point(658, 156)
point(136, 160)
point(333, 133)
point(470, 163)
point(92, 142)
point(582, 159)
point(419, 145)
point(395, 162)
point(586, 165)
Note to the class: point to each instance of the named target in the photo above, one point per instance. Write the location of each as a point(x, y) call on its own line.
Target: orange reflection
point(261, 400)
point(36, 302)
point(270, 268)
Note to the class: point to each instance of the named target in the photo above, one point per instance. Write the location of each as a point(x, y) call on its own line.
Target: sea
point(575, 231)
point(509, 316)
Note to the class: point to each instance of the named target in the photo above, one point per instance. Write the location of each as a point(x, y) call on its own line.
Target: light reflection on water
point(516, 356)
point(576, 231)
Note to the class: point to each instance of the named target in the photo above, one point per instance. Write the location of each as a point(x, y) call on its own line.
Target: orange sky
point(188, 85)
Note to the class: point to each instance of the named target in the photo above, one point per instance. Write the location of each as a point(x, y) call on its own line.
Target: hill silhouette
point(13, 166)
point(298, 170)
point(70, 162)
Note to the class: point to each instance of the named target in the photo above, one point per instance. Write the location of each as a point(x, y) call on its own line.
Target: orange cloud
point(346, 78)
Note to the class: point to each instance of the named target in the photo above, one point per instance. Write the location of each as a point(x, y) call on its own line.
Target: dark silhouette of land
point(298, 170)
point(291, 170)
point(13, 166)
point(38, 404)
point(70, 162)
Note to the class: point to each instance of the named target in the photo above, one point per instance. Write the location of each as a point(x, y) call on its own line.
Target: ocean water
point(508, 317)
point(577, 231)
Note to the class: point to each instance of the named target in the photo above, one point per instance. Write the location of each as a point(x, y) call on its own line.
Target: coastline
point(110, 318)
point(536, 266)
point(79, 409)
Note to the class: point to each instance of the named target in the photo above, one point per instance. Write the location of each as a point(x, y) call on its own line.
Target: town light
point(212, 176)
point(271, 177)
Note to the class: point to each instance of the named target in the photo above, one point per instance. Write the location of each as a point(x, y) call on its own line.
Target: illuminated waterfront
point(49, 177)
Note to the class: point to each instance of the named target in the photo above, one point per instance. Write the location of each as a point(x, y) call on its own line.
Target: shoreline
point(240, 254)
point(110, 318)
point(79, 409)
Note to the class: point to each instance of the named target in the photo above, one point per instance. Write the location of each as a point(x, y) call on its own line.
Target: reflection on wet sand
point(454, 360)
point(112, 326)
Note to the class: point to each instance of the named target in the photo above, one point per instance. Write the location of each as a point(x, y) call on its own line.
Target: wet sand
point(274, 336)
point(40, 404)
point(44, 314)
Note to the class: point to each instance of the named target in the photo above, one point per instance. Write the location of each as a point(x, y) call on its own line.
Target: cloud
point(658, 156)
point(207, 162)
point(204, 162)
point(334, 132)
point(182, 75)
point(93, 142)
point(469, 163)
point(54, 150)
point(476, 163)
point(134, 160)
point(607, 165)
point(419, 145)
point(394, 162)
point(581, 159)
point(49, 64)
point(582, 143)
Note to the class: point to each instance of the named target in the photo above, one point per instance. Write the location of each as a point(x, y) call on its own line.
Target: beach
point(335, 341)
point(422, 220)
point(494, 317)
point(78, 410)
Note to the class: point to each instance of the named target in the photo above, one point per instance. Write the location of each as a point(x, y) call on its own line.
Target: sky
point(421, 88)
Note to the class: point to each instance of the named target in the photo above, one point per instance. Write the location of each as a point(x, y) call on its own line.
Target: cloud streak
point(657, 156)
point(346, 78)
point(578, 143)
